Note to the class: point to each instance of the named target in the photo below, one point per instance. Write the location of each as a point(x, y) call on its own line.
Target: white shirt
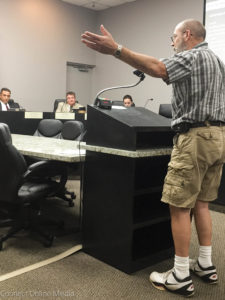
point(4, 106)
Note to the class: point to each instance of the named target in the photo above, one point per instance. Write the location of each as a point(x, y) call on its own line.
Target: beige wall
point(144, 26)
point(37, 37)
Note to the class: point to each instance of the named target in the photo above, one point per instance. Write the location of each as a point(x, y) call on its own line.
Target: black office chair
point(53, 128)
point(23, 189)
point(56, 103)
point(73, 130)
point(13, 104)
point(165, 110)
point(49, 128)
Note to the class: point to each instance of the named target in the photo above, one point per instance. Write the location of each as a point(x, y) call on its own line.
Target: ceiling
point(98, 4)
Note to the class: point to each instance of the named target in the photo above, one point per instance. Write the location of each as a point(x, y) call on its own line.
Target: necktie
point(7, 107)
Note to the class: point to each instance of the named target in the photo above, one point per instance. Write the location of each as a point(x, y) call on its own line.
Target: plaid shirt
point(198, 80)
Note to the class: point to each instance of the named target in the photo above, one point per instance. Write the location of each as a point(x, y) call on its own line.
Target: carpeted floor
point(83, 277)
point(26, 248)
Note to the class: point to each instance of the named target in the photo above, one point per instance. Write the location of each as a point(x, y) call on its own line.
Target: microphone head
point(139, 74)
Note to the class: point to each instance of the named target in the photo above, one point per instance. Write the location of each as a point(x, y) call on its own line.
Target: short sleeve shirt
point(198, 80)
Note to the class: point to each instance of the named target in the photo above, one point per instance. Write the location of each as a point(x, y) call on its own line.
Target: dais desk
point(25, 122)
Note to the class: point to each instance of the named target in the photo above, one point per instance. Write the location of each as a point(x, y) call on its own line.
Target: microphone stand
point(104, 103)
point(151, 99)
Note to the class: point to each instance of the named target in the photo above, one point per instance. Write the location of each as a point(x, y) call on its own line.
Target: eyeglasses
point(175, 35)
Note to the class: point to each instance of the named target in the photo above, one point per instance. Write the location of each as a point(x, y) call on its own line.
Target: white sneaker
point(169, 281)
point(208, 275)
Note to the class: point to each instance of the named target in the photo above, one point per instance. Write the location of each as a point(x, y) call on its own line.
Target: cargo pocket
point(177, 180)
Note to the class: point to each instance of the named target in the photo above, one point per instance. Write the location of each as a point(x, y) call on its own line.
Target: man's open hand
point(102, 43)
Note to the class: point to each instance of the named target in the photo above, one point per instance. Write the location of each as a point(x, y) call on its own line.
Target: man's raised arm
point(105, 44)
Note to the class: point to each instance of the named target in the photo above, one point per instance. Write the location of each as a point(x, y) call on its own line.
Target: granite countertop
point(50, 148)
point(73, 151)
point(128, 153)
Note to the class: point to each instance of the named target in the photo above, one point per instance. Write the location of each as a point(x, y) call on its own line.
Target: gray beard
point(182, 48)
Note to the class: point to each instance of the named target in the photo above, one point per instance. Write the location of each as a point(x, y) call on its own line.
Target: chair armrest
point(46, 168)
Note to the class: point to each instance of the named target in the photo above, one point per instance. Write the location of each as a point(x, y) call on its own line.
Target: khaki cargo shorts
point(195, 169)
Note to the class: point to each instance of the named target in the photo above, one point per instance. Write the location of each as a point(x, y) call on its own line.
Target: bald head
point(196, 28)
point(187, 35)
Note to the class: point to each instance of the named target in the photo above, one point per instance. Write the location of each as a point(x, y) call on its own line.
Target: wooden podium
point(124, 222)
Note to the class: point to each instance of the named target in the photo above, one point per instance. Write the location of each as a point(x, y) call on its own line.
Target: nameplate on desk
point(33, 115)
point(65, 116)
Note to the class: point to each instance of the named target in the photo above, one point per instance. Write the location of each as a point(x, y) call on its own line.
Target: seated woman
point(70, 103)
point(128, 101)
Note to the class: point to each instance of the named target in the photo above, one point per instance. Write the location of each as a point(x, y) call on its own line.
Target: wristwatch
point(118, 51)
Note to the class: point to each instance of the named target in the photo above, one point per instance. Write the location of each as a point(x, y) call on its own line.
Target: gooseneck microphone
point(139, 74)
point(104, 103)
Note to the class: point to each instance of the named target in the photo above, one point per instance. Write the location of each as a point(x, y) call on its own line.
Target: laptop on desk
point(16, 109)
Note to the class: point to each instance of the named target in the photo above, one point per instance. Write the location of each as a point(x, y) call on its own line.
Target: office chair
point(73, 130)
point(53, 128)
point(23, 189)
point(165, 110)
point(13, 104)
point(56, 102)
point(49, 128)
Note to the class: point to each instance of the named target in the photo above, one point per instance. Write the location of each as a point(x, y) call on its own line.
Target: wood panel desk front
point(23, 122)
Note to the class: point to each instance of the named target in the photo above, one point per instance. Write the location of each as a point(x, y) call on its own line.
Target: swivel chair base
point(35, 223)
point(62, 195)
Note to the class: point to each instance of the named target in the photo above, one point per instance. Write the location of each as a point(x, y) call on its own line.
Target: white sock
point(205, 256)
point(181, 266)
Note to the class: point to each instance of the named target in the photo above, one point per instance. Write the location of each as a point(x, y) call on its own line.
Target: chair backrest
point(57, 102)
point(49, 128)
point(165, 110)
point(13, 166)
point(73, 130)
point(13, 104)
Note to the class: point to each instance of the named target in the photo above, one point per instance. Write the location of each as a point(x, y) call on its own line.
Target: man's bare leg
point(181, 229)
point(203, 223)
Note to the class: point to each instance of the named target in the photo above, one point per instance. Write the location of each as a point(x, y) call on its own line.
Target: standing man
point(70, 103)
point(197, 76)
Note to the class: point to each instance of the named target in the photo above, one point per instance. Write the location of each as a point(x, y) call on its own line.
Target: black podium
point(131, 129)
point(221, 193)
point(124, 222)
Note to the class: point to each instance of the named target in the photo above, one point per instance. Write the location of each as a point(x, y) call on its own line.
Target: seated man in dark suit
point(5, 102)
point(70, 103)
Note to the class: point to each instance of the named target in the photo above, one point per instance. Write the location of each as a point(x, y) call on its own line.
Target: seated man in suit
point(128, 101)
point(5, 102)
point(70, 103)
